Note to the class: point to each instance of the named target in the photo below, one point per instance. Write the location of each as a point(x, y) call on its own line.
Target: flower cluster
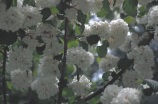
point(79, 57)
point(109, 62)
point(143, 60)
point(80, 87)
point(21, 79)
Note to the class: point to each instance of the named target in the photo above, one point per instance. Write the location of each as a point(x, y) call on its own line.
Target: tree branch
point(64, 61)
point(3, 78)
point(126, 65)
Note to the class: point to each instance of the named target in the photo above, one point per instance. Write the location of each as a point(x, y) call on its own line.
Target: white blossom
point(153, 15)
point(109, 93)
point(84, 5)
point(118, 3)
point(71, 14)
point(47, 32)
point(53, 49)
point(48, 67)
point(79, 57)
point(128, 96)
point(31, 39)
point(80, 87)
point(12, 19)
point(32, 16)
point(45, 87)
point(21, 79)
point(144, 2)
point(19, 58)
point(118, 32)
point(109, 62)
point(46, 3)
point(96, 5)
point(100, 28)
point(125, 47)
point(143, 57)
point(142, 20)
point(130, 79)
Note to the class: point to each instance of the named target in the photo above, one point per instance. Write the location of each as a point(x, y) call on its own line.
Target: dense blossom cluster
point(80, 87)
point(40, 33)
point(79, 57)
point(21, 79)
point(109, 62)
point(143, 60)
point(45, 87)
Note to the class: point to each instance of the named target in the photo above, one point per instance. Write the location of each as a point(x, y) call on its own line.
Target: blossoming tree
point(47, 47)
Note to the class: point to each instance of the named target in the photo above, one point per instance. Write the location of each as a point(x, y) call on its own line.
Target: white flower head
point(45, 87)
point(128, 96)
point(109, 62)
point(21, 79)
point(109, 93)
point(71, 14)
point(80, 87)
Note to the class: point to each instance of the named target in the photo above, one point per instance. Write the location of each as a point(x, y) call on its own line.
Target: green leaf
point(106, 5)
point(1, 57)
point(102, 50)
point(102, 13)
point(58, 57)
point(46, 12)
point(9, 85)
point(106, 75)
point(130, 7)
point(128, 19)
point(40, 49)
point(29, 2)
point(67, 92)
point(69, 69)
point(153, 84)
point(14, 3)
point(93, 39)
point(8, 3)
point(7, 38)
point(54, 10)
point(72, 43)
point(52, 22)
point(21, 33)
point(62, 6)
point(147, 92)
point(150, 99)
point(84, 45)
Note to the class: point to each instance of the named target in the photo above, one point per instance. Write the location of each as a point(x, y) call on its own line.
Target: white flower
point(48, 67)
point(87, 30)
point(109, 93)
point(144, 2)
point(118, 3)
point(118, 32)
point(32, 16)
point(79, 57)
point(142, 20)
point(96, 5)
point(19, 58)
point(80, 87)
point(153, 15)
point(53, 48)
point(12, 19)
point(130, 79)
point(71, 14)
point(128, 96)
point(109, 62)
point(125, 47)
point(21, 79)
point(47, 32)
point(31, 39)
point(46, 3)
point(100, 28)
point(84, 5)
point(143, 57)
point(45, 87)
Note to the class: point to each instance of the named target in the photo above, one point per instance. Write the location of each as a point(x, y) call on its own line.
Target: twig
point(3, 79)
point(64, 61)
